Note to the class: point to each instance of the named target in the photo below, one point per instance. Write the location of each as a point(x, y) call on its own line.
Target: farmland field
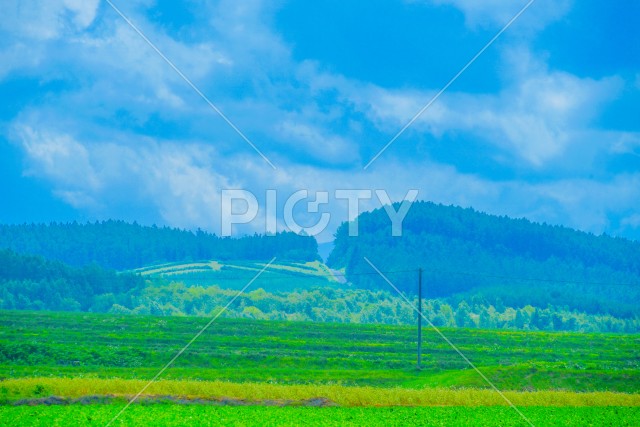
point(178, 415)
point(280, 276)
point(555, 378)
point(107, 346)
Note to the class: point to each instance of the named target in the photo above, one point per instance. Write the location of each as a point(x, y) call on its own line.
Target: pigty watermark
point(242, 207)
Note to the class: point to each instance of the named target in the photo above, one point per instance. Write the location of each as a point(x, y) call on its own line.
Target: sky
point(96, 124)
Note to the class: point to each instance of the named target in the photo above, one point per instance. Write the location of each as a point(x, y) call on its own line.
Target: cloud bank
point(115, 132)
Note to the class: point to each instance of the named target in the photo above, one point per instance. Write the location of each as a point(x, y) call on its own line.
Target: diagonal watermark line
point(453, 79)
point(190, 83)
point(435, 328)
point(191, 342)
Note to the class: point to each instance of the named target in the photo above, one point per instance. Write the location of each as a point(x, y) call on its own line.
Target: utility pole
point(419, 318)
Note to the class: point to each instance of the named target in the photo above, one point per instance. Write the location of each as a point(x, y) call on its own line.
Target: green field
point(179, 415)
point(589, 377)
point(280, 276)
point(106, 346)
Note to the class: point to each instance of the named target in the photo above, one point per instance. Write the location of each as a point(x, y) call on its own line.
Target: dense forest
point(515, 262)
point(30, 282)
point(119, 245)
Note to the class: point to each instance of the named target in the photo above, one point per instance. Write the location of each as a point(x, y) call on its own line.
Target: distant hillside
point(32, 283)
point(234, 275)
point(120, 245)
point(496, 260)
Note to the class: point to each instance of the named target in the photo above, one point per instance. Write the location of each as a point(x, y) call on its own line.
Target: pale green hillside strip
point(314, 268)
point(176, 267)
point(154, 267)
point(309, 268)
point(274, 268)
point(185, 272)
point(215, 265)
point(243, 267)
point(209, 266)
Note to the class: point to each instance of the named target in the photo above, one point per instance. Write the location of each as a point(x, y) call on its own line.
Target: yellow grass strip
point(342, 395)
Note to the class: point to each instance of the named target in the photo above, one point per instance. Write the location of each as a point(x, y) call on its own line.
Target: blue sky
point(544, 125)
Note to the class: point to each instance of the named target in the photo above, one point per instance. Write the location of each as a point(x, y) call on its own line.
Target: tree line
point(351, 305)
point(120, 245)
point(29, 282)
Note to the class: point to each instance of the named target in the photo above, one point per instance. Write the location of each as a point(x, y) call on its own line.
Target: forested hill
point(33, 283)
point(495, 259)
point(120, 245)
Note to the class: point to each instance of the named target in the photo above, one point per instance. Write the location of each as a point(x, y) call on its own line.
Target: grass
point(37, 344)
point(555, 379)
point(235, 274)
point(29, 388)
point(179, 415)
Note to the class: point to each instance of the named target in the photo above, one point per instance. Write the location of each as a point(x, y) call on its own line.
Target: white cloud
point(32, 27)
point(626, 142)
point(120, 60)
point(313, 141)
point(20, 56)
point(496, 13)
point(542, 115)
point(588, 204)
point(105, 168)
point(179, 180)
point(245, 29)
point(538, 115)
point(182, 183)
point(58, 157)
point(84, 11)
point(47, 19)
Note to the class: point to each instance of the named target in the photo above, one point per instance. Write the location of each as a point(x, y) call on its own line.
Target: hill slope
point(33, 283)
point(234, 275)
point(494, 259)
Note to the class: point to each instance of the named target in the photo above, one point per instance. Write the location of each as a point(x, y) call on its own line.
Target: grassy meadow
point(179, 415)
point(281, 276)
point(361, 374)
point(241, 350)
